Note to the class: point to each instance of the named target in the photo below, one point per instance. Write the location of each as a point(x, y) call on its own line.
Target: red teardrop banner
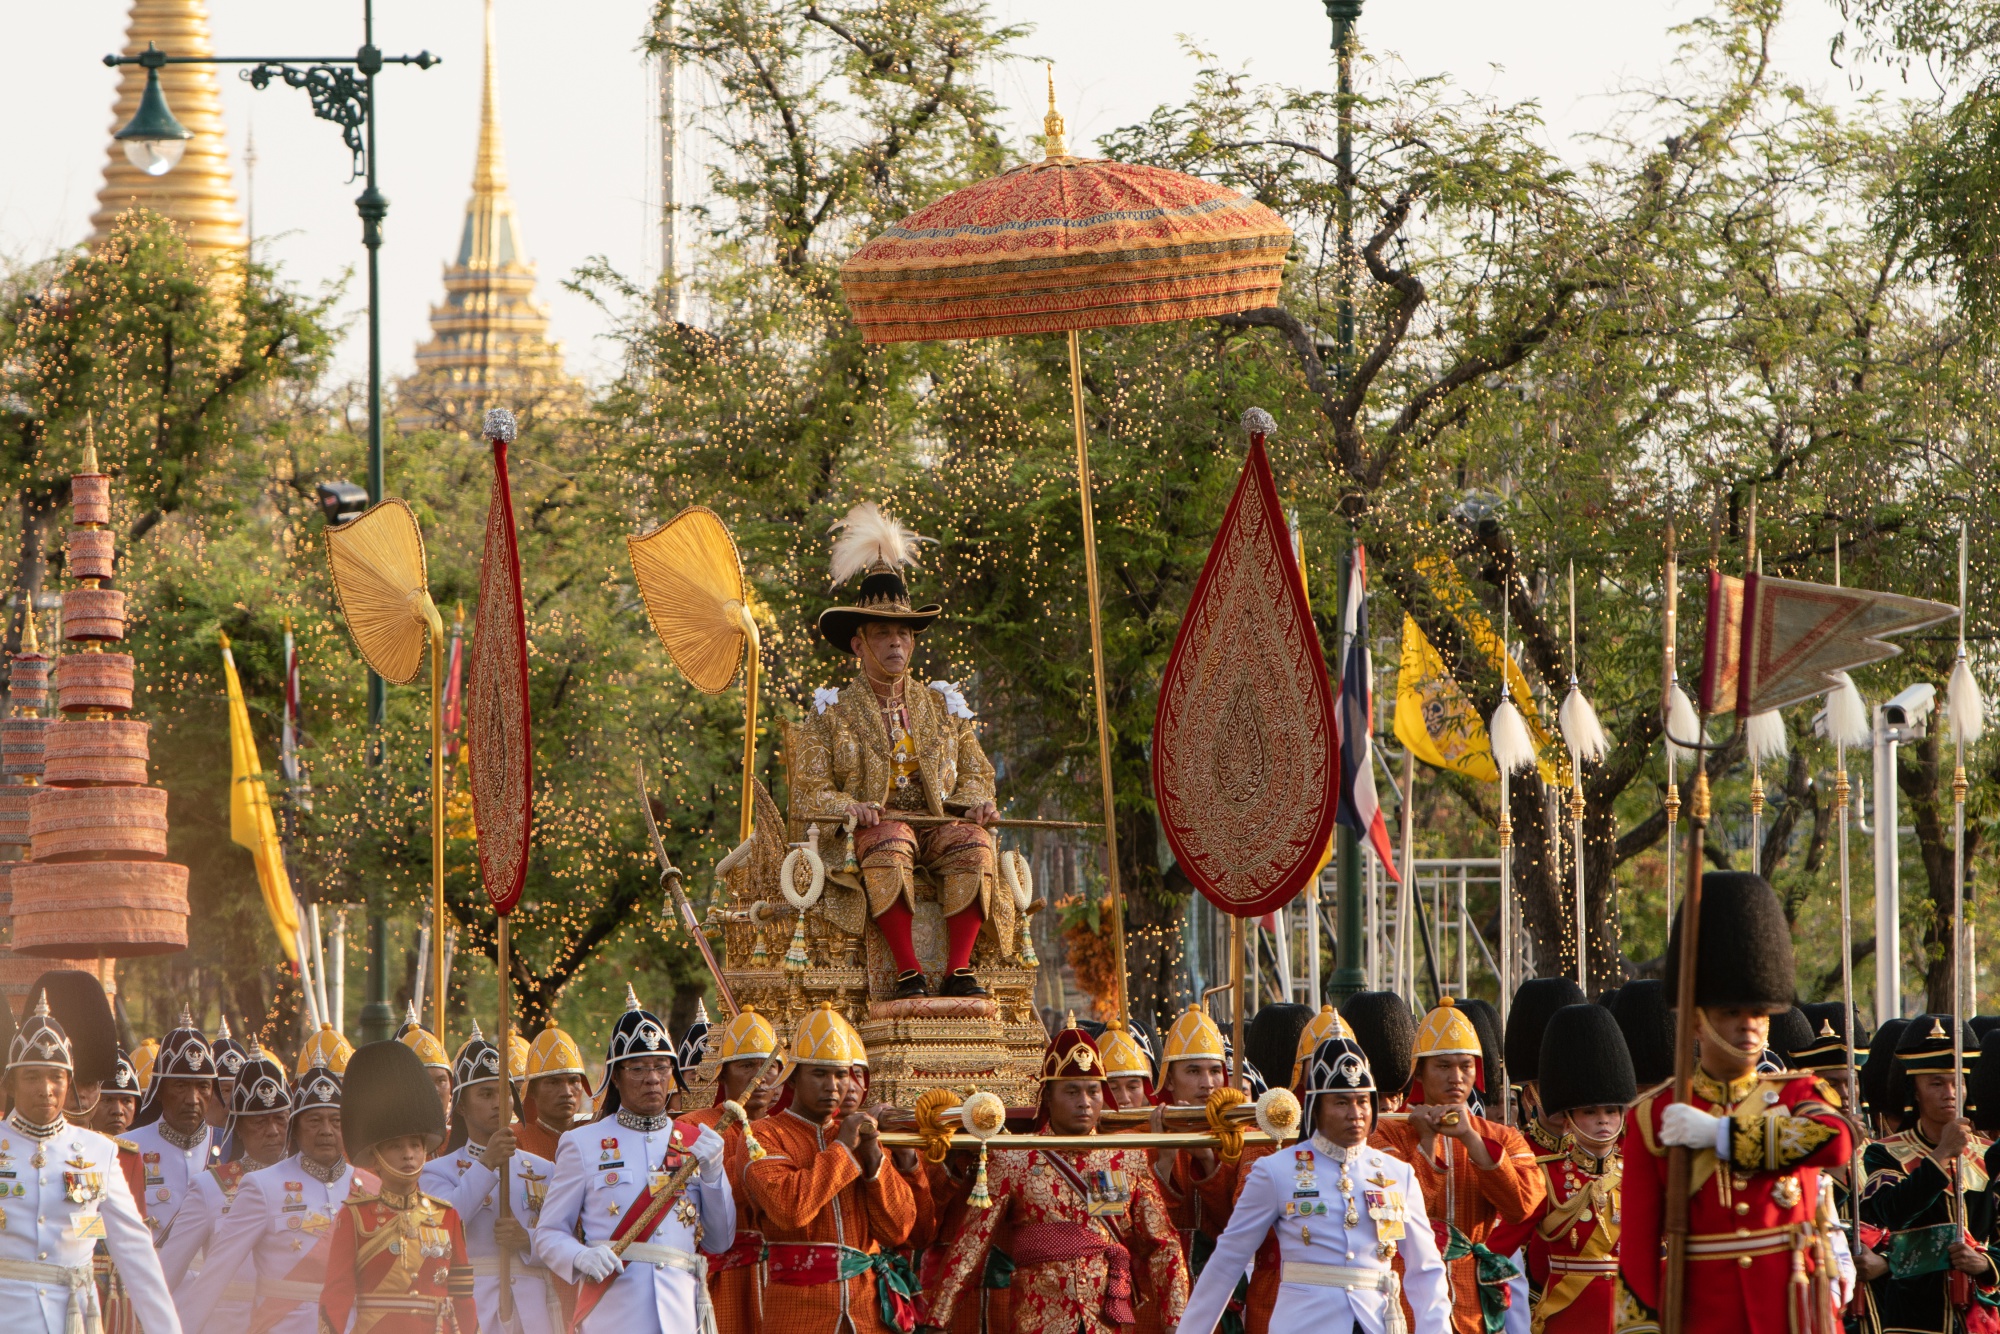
point(496, 714)
point(1245, 756)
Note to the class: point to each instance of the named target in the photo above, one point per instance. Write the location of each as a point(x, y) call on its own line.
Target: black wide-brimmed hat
point(879, 549)
point(1387, 1031)
point(1831, 1023)
point(1534, 1001)
point(388, 1093)
point(1585, 1062)
point(77, 1002)
point(1883, 1090)
point(1924, 1047)
point(1791, 1034)
point(1646, 1017)
point(1982, 1086)
point(1745, 955)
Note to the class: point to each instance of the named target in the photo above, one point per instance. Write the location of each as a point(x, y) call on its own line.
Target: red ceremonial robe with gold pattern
point(1749, 1220)
point(1072, 1268)
point(397, 1265)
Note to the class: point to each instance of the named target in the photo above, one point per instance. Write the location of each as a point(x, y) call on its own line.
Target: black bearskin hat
point(77, 1002)
point(1492, 1060)
point(1584, 1061)
point(388, 1093)
point(1882, 1084)
point(1645, 1016)
point(1271, 1040)
point(1607, 998)
point(1982, 1086)
point(1982, 1024)
point(1534, 1001)
point(1387, 1031)
point(1745, 956)
point(1791, 1035)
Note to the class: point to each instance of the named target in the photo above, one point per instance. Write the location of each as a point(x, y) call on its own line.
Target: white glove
point(707, 1149)
point(597, 1263)
point(1691, 1128)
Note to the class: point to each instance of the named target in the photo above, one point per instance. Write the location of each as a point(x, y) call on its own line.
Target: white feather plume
point(868, 536)
point(1581, 731)
point(1764, 737)
point(1682, 722)
point(1847, 715)
point(1513, 748)
point(1964, 705)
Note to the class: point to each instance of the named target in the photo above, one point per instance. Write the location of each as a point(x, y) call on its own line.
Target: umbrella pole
point(437, 817)
point(507, 1084)
point(752, 647)
point(1116, 899)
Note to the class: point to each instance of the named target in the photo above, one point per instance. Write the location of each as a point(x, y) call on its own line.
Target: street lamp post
point(1349, 975)
point(342, 90)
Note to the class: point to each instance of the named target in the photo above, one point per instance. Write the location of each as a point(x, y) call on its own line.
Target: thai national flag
point(1359, 809)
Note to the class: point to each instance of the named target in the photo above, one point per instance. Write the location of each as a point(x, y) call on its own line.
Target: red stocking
point(895, 923)
point(962, 929)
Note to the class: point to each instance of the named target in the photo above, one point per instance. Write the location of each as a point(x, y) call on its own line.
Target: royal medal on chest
point(1385, 1209)
point(1110, 1194)
point(81, 1184)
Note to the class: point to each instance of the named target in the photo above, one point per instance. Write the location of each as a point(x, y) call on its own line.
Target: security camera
point(341, 501)
point(1906, 717)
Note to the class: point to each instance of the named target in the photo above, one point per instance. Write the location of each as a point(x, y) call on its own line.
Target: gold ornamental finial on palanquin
point(1052, 124)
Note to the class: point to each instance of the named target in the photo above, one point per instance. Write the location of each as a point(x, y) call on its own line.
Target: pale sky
point(578, 110)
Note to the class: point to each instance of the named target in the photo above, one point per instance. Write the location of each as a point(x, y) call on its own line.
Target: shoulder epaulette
point(124, 1145)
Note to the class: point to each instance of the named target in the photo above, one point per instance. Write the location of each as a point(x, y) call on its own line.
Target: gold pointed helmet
point(1446, 1031)
point(824, 1037)
point(1326, 1024)
point(517, 1055)
point(1121, 1052)
point(421, 1041)
point(1193, 1037)
point(329, 1048)
point(554, 1052)
point(142, 1062)
point(749, 1036)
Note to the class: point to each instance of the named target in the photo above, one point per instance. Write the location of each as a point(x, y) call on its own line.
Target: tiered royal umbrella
point(1059, 245)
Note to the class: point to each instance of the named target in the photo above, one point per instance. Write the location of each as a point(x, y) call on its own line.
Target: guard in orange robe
point(1074, 1218)
point(396, 1263)
point(831, 1207)
point(1478, 1176)
point(1757, 1262)
point(746, 1041)
point(558, 1087)
point(1584, 1084)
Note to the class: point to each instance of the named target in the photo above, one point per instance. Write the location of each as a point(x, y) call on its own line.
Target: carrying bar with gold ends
point(1173, 1118)
point(893, 1139)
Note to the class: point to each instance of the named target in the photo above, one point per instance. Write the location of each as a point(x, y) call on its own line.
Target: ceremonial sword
point(670, 877)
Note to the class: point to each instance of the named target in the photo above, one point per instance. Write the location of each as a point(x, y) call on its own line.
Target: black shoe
point(961, 983)
point(909, 986)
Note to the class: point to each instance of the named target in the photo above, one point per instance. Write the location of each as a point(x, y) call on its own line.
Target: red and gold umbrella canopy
point(1067, 243)
point(1053, 247)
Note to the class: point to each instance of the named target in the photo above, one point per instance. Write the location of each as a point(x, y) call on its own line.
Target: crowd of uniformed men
point(1452, 1177)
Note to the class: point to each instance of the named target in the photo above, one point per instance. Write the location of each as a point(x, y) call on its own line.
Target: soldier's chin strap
point(1710, 1034)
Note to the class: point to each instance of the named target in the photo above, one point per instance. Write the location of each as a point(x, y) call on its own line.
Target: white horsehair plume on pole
point(1682, 721)
point(1581, 731)
point(1764, 737)
point(1847, 721)
point(1964, 705)
point(1513, 748)
point(868, 538)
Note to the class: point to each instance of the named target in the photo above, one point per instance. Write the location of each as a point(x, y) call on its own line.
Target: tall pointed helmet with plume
point(878, 549)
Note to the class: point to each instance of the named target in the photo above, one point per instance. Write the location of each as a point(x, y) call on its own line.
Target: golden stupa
point(198, 194)
point(489, 344)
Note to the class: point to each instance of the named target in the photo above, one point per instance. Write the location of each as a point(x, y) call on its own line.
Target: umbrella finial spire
point(1052, 124)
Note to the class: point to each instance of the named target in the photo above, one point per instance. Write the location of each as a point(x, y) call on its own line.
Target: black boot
point(911, 985)
point(961, 983)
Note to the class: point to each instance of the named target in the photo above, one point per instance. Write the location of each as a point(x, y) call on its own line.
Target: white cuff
point(1724, 1127)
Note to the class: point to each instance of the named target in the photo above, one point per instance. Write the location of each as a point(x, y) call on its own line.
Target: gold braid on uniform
point(1777, 1139)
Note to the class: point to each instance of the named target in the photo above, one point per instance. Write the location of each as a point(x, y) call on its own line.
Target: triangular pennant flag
point(1798, 635)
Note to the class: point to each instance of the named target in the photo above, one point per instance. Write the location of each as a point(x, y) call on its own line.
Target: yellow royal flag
point(251, 823)
point(1437, 722)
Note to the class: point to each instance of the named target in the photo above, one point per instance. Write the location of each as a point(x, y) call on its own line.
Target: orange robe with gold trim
point(808, 1189)
point(1475, 1202)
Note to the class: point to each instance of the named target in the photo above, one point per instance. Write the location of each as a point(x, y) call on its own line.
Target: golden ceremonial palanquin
point(784, 953)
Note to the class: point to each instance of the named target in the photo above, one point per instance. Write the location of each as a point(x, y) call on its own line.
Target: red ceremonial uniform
point(1751, 1220)
point(398, 1266)
point(951, 1213)
point(1573, 1250)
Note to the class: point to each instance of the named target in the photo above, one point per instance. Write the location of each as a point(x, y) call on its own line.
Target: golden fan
point(383, 584)
point(692, 582)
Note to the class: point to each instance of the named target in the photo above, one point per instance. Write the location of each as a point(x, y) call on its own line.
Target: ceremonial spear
point(1846, 725)
point(1967, 712)
point(503, 757)
point(1584, 736)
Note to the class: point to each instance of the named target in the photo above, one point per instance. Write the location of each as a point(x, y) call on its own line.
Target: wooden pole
point(437, 818)
point(1237, 935)
point(1679, 1163)
point(507, 1101)
point(1112, 894)
point(753, 645)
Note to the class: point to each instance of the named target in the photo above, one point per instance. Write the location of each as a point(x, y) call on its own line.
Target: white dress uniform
point(468, 1185)
point(1336, 1274)
point(279, 1217)
point(188, 1239)
point(170, 1171)
point(600, 1170)
point(58, 1195)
